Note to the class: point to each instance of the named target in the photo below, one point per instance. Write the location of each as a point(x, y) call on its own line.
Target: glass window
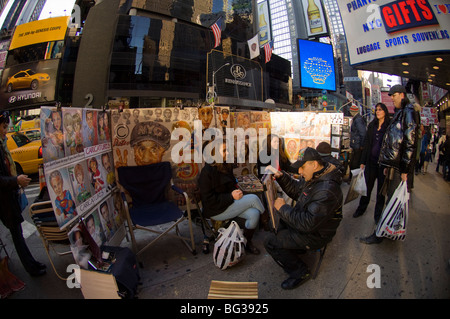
point(20, 139)
point(152, 54)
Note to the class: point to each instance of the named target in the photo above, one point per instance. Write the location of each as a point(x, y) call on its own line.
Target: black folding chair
point(147, 185)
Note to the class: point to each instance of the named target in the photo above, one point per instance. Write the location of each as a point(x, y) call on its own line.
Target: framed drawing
point(270, 193)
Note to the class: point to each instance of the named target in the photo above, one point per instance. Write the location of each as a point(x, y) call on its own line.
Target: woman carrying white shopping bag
point(398, 147)
point(373, 172)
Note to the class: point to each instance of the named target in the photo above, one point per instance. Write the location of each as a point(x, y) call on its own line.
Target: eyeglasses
point(4, 114)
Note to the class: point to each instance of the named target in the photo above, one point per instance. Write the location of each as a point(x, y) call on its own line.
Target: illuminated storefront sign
point(384, 29)
point(403, 15)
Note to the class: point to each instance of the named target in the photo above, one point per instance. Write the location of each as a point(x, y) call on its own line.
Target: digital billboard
point(316, 62)
point(28, 84)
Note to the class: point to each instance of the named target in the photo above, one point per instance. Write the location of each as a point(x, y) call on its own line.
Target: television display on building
point(316, 62)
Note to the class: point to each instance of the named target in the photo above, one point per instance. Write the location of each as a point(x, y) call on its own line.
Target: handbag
point(23, 200)
point(229, 248)
point(394, 219)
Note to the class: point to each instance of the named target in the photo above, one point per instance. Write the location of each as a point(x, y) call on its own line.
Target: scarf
point(9, 159)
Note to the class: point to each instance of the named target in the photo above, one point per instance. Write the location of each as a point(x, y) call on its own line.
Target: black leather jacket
point(318, 212)
point(399, 142)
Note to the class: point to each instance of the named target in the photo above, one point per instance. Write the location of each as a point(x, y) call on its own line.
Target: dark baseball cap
point(397, 89)
point(305, 155)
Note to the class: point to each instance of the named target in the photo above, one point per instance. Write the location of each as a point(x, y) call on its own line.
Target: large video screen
point(316, 65)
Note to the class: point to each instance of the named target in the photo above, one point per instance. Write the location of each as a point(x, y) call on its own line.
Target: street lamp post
point(212, 90)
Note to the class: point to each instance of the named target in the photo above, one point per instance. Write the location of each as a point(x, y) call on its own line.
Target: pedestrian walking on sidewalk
point(427, 158)
point(357, 133)
point(369, 161)
point(446, 163)
point(440, 150)
point(398, 146)
point(426, 140)
point(10, 213)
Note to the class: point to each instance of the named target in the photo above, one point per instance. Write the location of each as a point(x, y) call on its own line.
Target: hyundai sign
point(316, 65)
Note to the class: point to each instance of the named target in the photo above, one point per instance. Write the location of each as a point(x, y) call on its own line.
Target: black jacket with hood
point(318, 211)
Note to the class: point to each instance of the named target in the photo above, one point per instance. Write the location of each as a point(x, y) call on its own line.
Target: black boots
point(264, 221)
point(372, 239)
point(249, 247)
point(292, 283)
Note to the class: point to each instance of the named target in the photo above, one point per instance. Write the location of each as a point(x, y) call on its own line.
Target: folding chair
point(45, 221)
point(149, 207)
point(233, 290)
point(208, 225)
point(98, 285)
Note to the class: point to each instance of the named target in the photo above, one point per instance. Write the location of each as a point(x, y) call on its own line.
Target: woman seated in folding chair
point(222, 200)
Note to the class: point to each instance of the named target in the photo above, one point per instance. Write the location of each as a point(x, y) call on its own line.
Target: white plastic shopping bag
point(229, 248)
point(352, 192)
point(394, 219)
point(360, 184)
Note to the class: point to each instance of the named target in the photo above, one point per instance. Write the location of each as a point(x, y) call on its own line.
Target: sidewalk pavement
point(417, 268)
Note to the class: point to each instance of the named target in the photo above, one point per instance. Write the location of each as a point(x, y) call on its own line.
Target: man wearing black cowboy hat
point(313, 221)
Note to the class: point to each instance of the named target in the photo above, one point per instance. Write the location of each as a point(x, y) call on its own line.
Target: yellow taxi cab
point(26, 154)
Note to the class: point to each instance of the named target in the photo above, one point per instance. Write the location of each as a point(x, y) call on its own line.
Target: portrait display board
point(143, 136)
point(270, 193)
point(256, 120)
point(80, 177)
point(303, 129)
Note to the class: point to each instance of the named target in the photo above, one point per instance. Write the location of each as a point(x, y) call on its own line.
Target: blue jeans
point(248, 207)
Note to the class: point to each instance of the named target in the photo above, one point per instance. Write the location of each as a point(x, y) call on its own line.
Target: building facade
point(152, 53)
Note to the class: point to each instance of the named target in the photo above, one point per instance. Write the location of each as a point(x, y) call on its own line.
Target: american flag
point(217, 30)
point(268, 47)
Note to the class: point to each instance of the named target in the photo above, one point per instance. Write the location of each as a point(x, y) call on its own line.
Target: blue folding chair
point(147, 185)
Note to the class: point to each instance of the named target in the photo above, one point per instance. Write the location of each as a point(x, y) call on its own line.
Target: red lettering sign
point(407, 14)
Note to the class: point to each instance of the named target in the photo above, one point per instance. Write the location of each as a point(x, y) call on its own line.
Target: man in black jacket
point(313, 221)
point(398, 148)
point(358, 131)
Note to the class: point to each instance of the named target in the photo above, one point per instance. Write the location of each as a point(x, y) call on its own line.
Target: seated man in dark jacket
point(313, 221)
